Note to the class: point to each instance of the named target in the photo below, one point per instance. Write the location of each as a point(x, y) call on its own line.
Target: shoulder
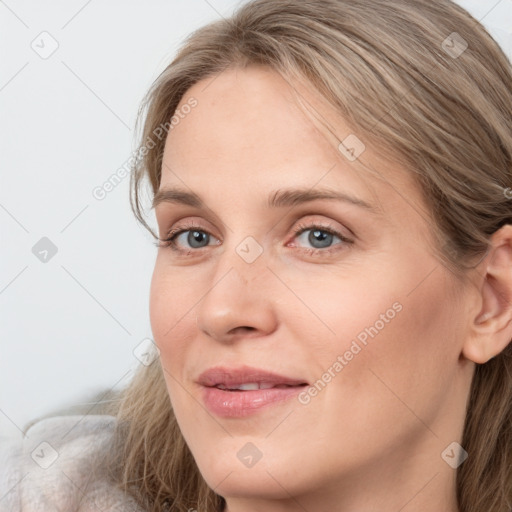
point(55, 467)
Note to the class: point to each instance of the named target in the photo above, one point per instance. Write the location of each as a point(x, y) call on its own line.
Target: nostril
point(243, 328)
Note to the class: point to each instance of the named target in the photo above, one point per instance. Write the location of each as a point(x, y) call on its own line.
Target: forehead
point(244, 116)
point(248, 134)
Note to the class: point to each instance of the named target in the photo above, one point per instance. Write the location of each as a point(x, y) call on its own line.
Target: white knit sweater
point(52, 469)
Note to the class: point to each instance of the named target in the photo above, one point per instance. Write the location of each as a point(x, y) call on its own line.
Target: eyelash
point(170, 242)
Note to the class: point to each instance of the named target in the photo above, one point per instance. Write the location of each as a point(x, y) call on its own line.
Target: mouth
point(230, 392)
point(254, 386)
point(246, 378)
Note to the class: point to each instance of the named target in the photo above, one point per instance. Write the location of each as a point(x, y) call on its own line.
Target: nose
point(238, 301)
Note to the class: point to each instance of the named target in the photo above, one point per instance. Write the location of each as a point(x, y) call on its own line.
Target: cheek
point(412, 360)
point(171, 317)
point(327, 313)
point(401, 343)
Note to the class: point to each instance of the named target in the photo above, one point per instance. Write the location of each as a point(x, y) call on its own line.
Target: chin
point(229, 481)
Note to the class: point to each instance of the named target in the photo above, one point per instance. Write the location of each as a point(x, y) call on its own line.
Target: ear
point(491, 328)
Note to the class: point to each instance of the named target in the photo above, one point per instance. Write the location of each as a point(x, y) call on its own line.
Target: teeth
point(248, 386)
point(252, 386)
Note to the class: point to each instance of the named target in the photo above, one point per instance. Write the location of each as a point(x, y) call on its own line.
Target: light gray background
point(69, 326)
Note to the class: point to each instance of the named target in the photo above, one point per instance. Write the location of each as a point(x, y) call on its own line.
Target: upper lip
point(243, 375)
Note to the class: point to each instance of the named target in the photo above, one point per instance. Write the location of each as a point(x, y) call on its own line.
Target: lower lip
point(236, 404)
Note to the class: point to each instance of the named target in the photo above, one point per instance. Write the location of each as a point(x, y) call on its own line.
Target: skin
point(372, 438)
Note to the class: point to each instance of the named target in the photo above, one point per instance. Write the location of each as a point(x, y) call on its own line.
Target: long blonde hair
point(395, 70)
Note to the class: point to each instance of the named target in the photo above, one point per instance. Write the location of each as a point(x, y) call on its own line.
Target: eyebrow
point(277, 199)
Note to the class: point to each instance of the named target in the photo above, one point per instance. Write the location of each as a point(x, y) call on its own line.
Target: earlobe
point(491, 329)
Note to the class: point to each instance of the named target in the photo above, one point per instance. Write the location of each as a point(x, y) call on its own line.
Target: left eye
point(322, 236)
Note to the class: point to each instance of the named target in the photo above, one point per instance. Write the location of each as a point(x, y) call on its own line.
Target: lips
point(236, 393)
point(246, 378)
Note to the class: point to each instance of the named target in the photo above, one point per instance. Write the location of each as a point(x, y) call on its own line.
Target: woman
point(332, 294)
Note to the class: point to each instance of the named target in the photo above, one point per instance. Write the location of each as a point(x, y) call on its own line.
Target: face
point(347, 298)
